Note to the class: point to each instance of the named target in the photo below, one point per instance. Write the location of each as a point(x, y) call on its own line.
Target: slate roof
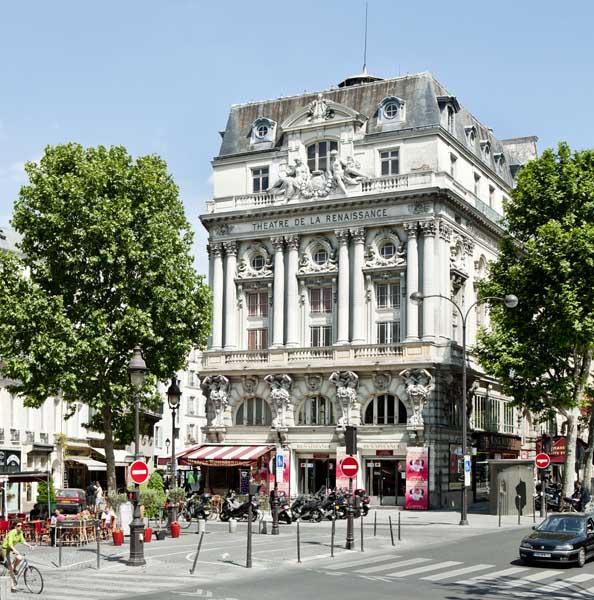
point(420, 93)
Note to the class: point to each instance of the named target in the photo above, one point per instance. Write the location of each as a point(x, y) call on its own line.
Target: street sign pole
point(542, 462)
point(350, 537)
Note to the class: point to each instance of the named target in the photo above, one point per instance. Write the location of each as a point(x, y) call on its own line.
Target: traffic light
point(350, 438)
point(133, 496)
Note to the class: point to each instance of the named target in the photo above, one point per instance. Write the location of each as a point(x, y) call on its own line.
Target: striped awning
point(224, 455)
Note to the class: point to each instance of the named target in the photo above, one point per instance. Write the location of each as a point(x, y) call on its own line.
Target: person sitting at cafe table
point(13, 537)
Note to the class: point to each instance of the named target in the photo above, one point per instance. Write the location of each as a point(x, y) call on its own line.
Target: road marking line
point(565, 583)
point(457, 572)
point(355, 563)
point(512, 583)
point(401, 563)
point(435, 567)
point(491, 576)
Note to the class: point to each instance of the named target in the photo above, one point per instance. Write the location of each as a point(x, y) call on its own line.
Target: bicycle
point(31, 575)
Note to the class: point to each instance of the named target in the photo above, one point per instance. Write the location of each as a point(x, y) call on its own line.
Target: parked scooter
point(307, 509)
point(199, 506)
point(285, 515)
point(233, 509)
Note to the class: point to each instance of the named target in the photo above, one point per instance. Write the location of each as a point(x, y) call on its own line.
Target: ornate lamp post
point(138, 372)
point(510, 301)
point(173, 398)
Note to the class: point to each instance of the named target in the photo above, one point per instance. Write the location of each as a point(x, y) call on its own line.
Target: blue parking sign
point(280, 462)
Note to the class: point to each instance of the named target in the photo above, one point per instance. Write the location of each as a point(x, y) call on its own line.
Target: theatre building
point(329, 210)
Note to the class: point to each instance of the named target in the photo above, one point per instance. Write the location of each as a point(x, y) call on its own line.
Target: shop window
point(253, 411)
point(385, 410)
point(318, 155)
point(316, 411)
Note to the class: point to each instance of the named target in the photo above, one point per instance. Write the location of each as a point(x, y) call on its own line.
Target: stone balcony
point(348, 356)
point(413, 181)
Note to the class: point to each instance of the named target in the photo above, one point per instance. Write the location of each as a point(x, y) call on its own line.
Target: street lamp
point(138, 372)
point(510, 301)
point(173, 397)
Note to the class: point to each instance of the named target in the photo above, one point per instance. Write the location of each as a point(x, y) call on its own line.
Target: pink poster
point(284, 485)
point(342, 481)
point(417, 478)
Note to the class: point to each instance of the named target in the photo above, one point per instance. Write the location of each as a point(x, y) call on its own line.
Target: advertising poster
point(417, 479)
point(342, 481)
point(284, 484)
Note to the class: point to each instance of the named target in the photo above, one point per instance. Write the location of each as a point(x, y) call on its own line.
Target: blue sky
point(159, 76)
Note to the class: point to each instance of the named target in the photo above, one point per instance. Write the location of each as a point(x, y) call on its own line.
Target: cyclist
point(13, 537)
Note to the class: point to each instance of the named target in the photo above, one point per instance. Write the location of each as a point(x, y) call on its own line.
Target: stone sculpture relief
point(346, 383)
point(280, 400)
point(250, 383)
point(418, 384)
point(313, 382)
point(245, 266)
point(374, 257)
point(318, 110)
point(308, 265)
point(216, 390)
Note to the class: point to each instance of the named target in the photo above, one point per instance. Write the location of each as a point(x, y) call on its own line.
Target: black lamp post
point(137, 371)
point(173, 398)
point(510, 301)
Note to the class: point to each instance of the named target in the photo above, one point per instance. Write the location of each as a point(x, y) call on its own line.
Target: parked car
point(70, 500)
point(561, 538)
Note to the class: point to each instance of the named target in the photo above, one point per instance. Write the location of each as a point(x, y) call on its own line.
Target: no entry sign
point(139, 472)
point(350, 466)
point(542, 460)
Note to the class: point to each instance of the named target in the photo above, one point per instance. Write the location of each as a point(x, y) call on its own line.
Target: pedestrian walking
point(98, 496)
point(91, 489)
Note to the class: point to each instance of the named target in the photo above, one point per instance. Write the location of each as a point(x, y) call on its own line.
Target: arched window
point(253, 411)
point(385, 410)
point(318, 155)
point(316, 411)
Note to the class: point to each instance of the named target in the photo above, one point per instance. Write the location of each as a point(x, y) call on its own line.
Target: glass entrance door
point(384, 481)
point(315, 473)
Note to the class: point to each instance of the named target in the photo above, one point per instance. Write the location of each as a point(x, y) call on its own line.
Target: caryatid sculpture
point(280, 400)
point(216, 390)
point(418, 384)
point(346, 383)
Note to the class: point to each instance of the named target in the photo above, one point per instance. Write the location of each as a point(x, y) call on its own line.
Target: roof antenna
point(365, 44)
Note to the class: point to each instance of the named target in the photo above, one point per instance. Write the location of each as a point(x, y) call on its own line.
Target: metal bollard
point(263, 527)
point(362, 550)
point(197, 554)
point(98, 535)
point(391, 530)
point(59, 546)
point(499, 502)
point(374, 523)
point(248, 561)
point(201, 526)
point(519, 504)
point(533, 509)
point(332, 537)
point(298, 543)
point(232, 525)
point(399, 538)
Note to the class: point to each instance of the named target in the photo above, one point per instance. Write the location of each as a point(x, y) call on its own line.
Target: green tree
point(107, 250)
point(42, 492)
point(542, 351)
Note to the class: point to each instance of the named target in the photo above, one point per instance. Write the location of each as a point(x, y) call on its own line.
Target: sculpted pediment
point(321, 111)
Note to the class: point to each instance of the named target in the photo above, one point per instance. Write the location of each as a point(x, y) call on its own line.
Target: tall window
point(321, 335)
point(385, 410)
point(257, 303)
point(491, 196)
point(388, 332)
point(387, 295)
point(477, 185)
point(191, 405)
point(253, 411)
point(390, 162)
point(257, 339)
point(318, 155)
point(453, 165)
point(508, 418)
point(320, 300)
point(451, 123)
point(191, 432)
point(260, 179)
point(316, 411)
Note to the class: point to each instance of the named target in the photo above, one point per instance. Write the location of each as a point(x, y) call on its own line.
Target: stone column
point(430, 277)
point(412, 282)
point(216, 252)
point(358, 236)
point(230, 296)
point(446, 309)
point(278, 300)
point(293, 320)
point(342, 236)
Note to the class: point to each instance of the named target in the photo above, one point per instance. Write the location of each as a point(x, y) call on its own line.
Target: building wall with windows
point(376, 190)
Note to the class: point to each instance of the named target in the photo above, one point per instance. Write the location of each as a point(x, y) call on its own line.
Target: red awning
point(165, 460)
point(223, 455)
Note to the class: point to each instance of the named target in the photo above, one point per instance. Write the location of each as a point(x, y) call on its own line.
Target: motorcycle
point(285, 514)
point(232, 509)
point(199, 507)
point(307, 509)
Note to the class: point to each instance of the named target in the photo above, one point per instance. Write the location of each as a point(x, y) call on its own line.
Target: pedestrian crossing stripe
point(555, 586)
point(425, 569)
point(457, 572)
point(538, 576)
point(359, 562)
point(398, 563)
point(490, 576)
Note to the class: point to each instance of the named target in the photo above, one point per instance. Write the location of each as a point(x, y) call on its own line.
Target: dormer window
point(499, 159)
point(470, 135)
point(262, 131)
point(449, 106)
point(486, 149)
point(390, 110)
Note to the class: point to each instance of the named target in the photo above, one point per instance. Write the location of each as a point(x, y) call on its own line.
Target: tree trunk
point(109, 455)
point(570, 451)
point(589, 468)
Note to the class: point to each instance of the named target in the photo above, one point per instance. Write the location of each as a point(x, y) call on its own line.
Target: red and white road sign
point(139, 472)
point(542, 460)
point(350, 466)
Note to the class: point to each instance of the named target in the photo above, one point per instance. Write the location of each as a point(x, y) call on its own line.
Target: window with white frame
point(388, 332)
point(158, 436)
point(387, 295)
point(316, 411)
point(321, 335)
point(508, 417)
point(260, 179)
point(318, 155)
point(192, 405)
point(320, 299)
point(258, 338)
point(384, 410)
point(191, 432)
point(253, 411)
point(257, 303)
point(390, 162)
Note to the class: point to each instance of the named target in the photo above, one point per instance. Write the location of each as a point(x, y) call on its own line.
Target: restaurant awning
point(24, 477)
point(165, 460)
point(223, 455)
point(90, 463)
